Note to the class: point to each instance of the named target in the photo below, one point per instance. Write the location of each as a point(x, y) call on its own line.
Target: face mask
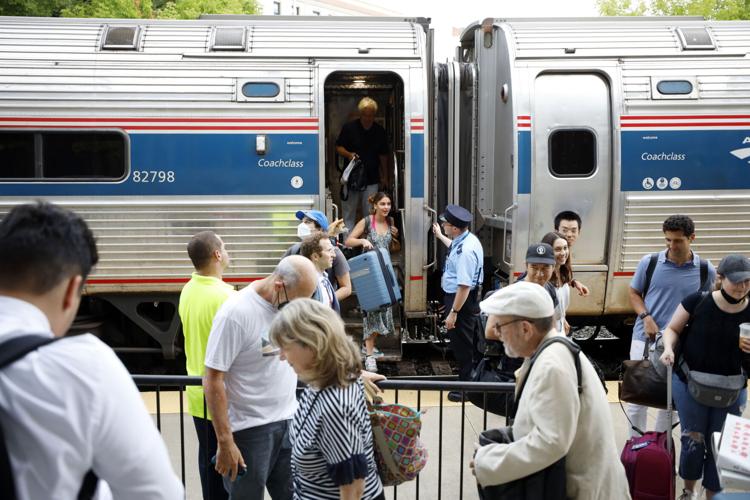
point(303, 230)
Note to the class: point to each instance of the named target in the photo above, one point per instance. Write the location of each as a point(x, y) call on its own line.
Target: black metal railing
point(439, 385)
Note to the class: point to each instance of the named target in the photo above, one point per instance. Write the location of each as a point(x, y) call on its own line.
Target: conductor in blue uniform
point(462, 277)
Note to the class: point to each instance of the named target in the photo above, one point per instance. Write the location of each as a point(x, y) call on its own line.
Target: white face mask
point(303, 230)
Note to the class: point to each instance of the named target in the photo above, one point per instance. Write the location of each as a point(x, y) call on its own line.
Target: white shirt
point(71, 406)
point(563, 299)
point(579, 429)
point(260, 389)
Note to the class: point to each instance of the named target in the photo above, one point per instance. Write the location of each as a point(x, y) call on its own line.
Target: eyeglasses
point(499, 326)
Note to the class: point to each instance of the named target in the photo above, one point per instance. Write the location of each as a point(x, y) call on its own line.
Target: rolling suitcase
point(649, 460)
point(374, 280)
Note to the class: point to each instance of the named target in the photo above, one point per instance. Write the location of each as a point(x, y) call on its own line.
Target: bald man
point(250, 391)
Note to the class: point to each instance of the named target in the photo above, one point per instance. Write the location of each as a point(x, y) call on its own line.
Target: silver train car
point(155, 130)
point(624, 121)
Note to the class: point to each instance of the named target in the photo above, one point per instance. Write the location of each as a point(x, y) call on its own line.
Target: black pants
point(211, 482)
point(467, 336)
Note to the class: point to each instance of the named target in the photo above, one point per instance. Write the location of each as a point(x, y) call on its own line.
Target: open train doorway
point(343, 92)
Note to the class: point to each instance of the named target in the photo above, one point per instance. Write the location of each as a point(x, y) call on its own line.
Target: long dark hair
point(565, 271)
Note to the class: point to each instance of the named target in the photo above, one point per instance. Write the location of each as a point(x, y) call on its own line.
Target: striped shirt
point(332, 443)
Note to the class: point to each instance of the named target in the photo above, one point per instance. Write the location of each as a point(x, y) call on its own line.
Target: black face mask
point(280, 305)
point(731, 299)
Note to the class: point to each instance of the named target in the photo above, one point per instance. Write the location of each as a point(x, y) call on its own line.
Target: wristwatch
point(454, 310)
point(644, 314)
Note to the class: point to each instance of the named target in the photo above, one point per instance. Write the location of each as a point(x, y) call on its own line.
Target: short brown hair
point(311, 244)
point(201, 247)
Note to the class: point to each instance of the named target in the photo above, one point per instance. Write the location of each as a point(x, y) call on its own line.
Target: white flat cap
point(523, 299)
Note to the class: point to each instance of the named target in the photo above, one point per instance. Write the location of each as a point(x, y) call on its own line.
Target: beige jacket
point(554, 422)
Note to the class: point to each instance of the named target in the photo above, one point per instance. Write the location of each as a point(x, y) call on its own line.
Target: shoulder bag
point(399, 453)
point(641, 384)
point(711, 389)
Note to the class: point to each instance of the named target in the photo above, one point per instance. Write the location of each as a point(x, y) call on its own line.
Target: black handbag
point(492, 368)
point(546, 484)
point(549, 483)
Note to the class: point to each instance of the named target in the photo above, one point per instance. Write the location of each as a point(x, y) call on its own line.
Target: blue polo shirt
point(670, 284)
point(464, 264)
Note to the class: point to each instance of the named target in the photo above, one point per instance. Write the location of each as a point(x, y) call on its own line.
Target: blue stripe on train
point(524, 161)
point(685, 160)
point(417, 165)
point(203, 164)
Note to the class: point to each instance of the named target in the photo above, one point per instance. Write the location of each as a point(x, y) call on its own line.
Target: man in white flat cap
point(552, 419)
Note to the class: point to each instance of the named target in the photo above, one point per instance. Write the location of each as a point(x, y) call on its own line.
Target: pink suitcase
point(649, 461)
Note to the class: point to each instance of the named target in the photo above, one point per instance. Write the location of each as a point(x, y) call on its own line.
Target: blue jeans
point(267, 452)
point(211, 481)
point(696, 458)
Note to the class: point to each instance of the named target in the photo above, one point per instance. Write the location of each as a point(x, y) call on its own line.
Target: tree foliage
point(131, 9)
point(709, 9)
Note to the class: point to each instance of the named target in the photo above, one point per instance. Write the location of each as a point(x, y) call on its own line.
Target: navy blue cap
point(315, 215)
point(540, 253)
point(457, 216)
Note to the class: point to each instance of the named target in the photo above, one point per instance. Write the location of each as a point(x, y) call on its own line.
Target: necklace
point(731, 299)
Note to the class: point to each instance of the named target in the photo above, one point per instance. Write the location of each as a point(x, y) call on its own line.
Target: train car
point(624, 121)
point(155, 130)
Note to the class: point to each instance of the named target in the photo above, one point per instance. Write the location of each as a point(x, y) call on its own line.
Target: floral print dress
point(380, 322)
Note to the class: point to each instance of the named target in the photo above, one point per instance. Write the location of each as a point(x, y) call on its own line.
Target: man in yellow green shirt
point(201, 297)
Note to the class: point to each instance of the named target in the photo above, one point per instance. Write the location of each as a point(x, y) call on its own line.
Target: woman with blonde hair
point(331, 434)
point(375, 231)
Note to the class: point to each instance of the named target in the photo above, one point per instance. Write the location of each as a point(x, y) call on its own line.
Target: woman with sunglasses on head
point(331, 434)
point(707, 325)
point(562, 276)
point(375, 231)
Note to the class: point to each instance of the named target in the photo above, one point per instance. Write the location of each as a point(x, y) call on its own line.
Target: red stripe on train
point(158, 120)
point(621, 274)
point(156, 281)
point(167, 128)
point(687, 124)
point(681, 117)
point(416, 278)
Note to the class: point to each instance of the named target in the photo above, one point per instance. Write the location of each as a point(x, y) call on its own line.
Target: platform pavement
point(452, 463)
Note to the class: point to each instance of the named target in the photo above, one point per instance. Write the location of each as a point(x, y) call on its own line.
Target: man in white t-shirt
point(69, 409)
point(249, 390)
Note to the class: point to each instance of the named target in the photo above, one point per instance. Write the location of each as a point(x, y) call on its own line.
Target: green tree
point(131, 9)
point(709, 9)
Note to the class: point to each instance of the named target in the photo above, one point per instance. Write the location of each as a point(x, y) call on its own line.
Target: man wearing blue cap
point(462, 276)
point(338, 273)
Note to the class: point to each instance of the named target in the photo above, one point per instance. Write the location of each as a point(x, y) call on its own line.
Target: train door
point(572, 170)
point(342, 92)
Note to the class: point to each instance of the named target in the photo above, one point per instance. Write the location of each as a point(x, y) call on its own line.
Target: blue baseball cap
point(316, 215)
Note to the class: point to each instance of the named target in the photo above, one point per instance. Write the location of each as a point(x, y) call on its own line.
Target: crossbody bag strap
point(11, 351)
point(574, 351)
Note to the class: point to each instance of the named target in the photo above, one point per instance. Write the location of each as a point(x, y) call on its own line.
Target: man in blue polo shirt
point(675, 274)
point(462, 277)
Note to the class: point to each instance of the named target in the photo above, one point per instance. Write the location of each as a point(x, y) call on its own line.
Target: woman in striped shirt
point(332, 449)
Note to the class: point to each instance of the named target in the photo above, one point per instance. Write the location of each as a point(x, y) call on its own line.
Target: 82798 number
point(159, 176)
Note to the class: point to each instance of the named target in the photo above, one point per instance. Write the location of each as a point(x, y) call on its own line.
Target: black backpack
point(10, 351)
point(357, 180)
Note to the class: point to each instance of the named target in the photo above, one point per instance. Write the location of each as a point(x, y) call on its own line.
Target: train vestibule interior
point(343, 91)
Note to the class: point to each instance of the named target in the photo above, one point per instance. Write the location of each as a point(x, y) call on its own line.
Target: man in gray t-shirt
point(676, 275)
point(249, 389)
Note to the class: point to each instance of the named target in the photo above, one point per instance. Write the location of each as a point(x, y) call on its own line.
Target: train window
point(16, 155)
point(572, 153)
point(674, 87)
point(120, 38)
point(271, 89)
point(53, 155)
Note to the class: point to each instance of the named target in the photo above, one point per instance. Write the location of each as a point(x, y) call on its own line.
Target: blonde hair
point(316, 326)
point(367, 103)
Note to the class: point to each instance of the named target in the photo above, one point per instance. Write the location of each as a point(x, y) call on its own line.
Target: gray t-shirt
point(260, 389)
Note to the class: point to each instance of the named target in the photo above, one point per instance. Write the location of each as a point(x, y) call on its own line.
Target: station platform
point(441, 478)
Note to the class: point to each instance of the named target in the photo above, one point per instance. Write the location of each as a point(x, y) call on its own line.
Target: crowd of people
point(74, 425)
